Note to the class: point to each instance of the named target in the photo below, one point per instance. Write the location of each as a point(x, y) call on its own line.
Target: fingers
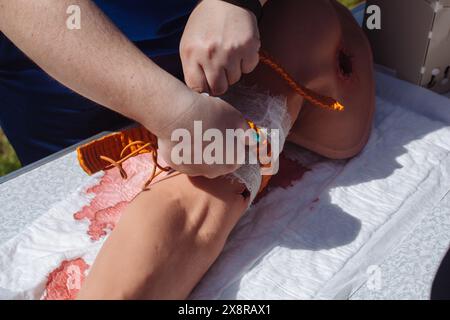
point(234, 71)
point(195, 77)
point(201, 75)
point(217, 80)
point(214, 72)
point(250, 62)
point(250, 54)
point(205, 76)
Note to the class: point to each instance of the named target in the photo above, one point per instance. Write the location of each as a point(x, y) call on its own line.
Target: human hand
point(219, 44)
point(181, 143)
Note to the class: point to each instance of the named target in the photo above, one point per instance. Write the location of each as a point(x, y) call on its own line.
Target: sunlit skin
point(170, 235)
point(342, 136)
point(321, 46)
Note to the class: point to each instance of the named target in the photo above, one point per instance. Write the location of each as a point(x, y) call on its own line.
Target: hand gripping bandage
point(270, 116)
point(267, 114)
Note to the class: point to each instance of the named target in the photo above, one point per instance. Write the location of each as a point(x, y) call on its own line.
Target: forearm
point(96, 61)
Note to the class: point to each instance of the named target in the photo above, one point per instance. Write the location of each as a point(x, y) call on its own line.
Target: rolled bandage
point(270, 115)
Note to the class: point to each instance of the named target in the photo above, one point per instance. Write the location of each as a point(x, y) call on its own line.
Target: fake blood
point(290, 171)
point(112, 194)
point(64, 282)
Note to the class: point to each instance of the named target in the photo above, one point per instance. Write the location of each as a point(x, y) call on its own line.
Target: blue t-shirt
point(156, 25)
point(41, 116)
point(160, 23)
point(148, 19)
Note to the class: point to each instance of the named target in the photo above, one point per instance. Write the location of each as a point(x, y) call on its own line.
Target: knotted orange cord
point(146, 147)
point(311, 96)
point(143, 141)
point(265, 178)
point(101, 154)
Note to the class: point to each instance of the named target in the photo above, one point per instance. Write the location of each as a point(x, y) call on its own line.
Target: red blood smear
point(290, 171)
point(112, 195)
point(105, 219)
point(64, 282)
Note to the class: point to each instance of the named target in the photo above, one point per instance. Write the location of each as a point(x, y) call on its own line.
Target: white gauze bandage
point(270, 114)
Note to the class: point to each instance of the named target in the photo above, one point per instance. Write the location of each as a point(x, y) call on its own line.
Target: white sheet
point(286, 250)
point(291, 246)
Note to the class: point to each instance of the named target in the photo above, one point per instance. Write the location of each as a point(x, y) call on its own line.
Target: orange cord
point(311, 96)
point(148, 142)
point(145, 147)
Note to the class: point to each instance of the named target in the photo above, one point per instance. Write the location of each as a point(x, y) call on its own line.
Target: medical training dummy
point(314, 86)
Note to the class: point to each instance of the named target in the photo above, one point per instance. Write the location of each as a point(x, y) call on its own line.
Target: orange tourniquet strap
point(264, 182)
point(309, 95)
point(114, 149)
point(112, 146)
point(265, 178)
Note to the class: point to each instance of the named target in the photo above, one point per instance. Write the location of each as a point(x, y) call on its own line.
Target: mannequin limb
point(170, 235)
point(321, 45)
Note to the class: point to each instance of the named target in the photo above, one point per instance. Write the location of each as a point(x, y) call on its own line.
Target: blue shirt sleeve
point(148, 19)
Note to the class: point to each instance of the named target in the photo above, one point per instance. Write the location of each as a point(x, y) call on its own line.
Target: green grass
point(8, 158)
point(350, 3)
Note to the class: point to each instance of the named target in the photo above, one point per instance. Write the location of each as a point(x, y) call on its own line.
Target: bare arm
point(100, 63)
point(171, 234)
point(97, 61)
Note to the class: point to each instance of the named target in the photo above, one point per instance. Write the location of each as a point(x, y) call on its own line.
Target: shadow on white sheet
point(286, 249)
point(315, 239)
